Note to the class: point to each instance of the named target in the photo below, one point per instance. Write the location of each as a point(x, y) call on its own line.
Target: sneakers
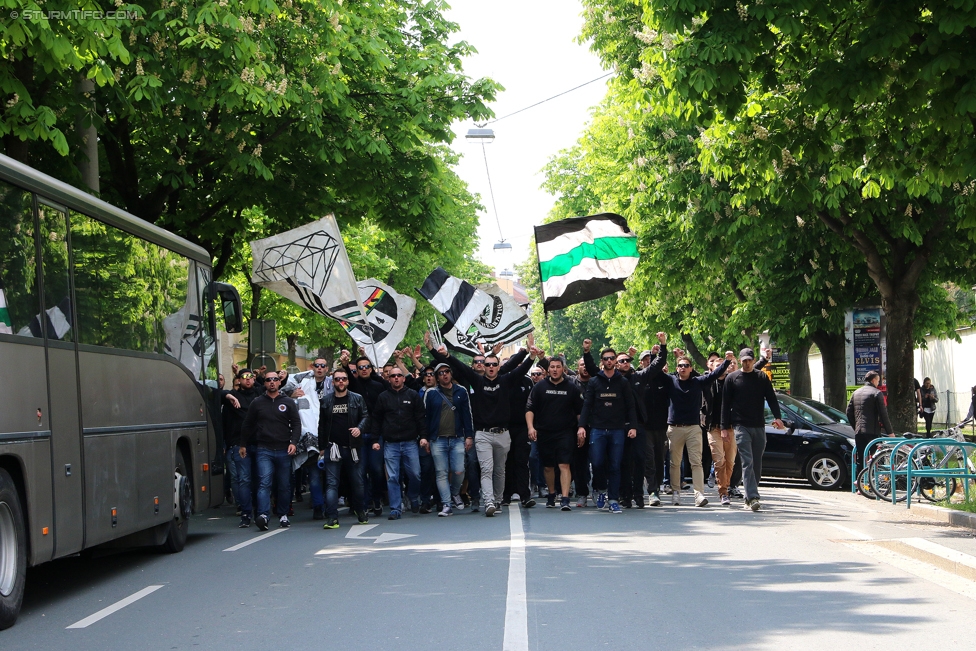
point(564, 504)
point(262, 522)
point(581, 502)
point(506, 501)
point(654, 500)
point(528, 504)
point(394, 515)
point(245, 521)
point(425, 508)
point(458, 502)
point(317, 513)
point(676, 498)
point(551, 502)
point(446, 511)
point(363, 518)
point(415, 507)
point(626, 503)
point(615, 508)
point(331, 524)
point(601, 501)
point(754, 505)
point(474, 506)
point(735, 493)
point(489, 510)
point(284, 522)
point(639, 502)
point(700, 500)
point(377, 508)
point(666, 488)
point(498, 510)
point(726, 501)
point(711, 479)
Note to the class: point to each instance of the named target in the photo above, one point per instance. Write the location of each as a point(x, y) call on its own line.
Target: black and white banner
point(502, 321)
point(459, 301)
point(388, 315)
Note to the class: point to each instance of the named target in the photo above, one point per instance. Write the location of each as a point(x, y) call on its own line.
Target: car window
point(768, 413)
point(805, 410)
point(836, 414)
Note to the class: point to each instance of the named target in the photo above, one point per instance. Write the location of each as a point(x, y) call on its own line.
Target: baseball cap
point(644, 353)
point(442, 365)
point(746, 353)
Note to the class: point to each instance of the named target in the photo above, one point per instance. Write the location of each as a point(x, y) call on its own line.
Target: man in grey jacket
point(865, 410)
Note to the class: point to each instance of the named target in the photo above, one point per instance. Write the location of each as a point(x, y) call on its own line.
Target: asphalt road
point(812, 571)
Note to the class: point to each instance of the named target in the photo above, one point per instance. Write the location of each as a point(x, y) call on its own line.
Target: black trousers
point(706, 454)
point(736, 477)
point(428, 484)
point(862, 439)
point(632, 466)
point(517, 465)
point(581, 470)
point(655, 447)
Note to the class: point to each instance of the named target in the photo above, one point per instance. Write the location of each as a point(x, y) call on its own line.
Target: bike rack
point(864, 458)
point(943, 443)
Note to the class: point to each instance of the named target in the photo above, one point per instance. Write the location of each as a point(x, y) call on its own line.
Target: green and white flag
point(584, 258)
point(6, 327)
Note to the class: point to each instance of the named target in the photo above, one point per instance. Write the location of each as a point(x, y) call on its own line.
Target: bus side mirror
point(231, 302)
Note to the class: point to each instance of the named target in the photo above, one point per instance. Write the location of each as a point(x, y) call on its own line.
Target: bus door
point(62, 373)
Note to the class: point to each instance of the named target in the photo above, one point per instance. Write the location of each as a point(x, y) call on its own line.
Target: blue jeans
point(448, 453)
point(536, 478)
point(274, 465)
point(231, 466)
point(428, 483)
point(374, 479)
point(243, 489)
point(315, 480)
point(606, 452)
point(355, 477)
point(409, 453)
point(472, 470)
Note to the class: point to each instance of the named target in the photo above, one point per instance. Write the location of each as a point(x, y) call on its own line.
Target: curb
point(950, 516)
point(962, 565)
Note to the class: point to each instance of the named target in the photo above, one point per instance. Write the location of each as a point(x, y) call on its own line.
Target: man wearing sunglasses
point(273, 427)
point(491, 399)
point(342, 417)
point(244, 395)
point(308, 389)
point(364, 381)
point(609, 410)
point(449, 427)
point(398, 419)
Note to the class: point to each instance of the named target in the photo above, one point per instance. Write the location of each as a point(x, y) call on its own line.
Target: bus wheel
point(182, 506)
point(13, 551)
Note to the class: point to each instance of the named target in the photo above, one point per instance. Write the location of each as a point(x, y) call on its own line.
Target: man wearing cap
point(449, 428)
point(744, 398)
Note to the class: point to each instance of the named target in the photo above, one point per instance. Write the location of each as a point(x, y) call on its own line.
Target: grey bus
point(109, 424)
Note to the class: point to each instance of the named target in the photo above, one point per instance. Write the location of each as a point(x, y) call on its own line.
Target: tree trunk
point(833, 353)
point(88, 137)
point(900, 313)
point(328, 354)
point(292, 343)
point(691, 348)
point(800, 383)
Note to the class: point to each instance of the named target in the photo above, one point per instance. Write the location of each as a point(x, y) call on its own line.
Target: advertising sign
point(866, 339)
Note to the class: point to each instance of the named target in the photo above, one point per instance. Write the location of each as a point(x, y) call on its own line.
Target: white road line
point(853, 532)
point(254, 540)
point(117, 606)
point(516, 611)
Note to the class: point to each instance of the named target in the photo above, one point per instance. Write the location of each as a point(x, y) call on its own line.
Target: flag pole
point(542, 291)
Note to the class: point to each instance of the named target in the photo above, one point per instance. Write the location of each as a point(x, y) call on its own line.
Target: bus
point(109, 417)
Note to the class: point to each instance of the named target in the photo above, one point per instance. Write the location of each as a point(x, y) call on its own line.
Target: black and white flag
point(388, 315)
point(503, 321)
point(459, 301)
point(309, 266)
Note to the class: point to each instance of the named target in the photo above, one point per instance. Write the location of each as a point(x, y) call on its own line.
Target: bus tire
point(13, 551)
point(183, 506)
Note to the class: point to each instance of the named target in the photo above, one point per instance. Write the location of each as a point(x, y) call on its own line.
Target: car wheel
point(182, 506)
point(825, 472)
point(13, 552)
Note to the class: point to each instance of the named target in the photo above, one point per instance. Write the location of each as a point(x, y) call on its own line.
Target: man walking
point(449, 428)
point(552, 415)
point(398, 419)
point(272, 426)
point(491, 403)
point(867, 413)
point(722, 446)
point(610, 412)
point(342, 417)
point(744, 397)
point(245, 395)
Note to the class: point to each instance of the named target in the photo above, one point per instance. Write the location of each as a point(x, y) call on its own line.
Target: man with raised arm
point(490, 402)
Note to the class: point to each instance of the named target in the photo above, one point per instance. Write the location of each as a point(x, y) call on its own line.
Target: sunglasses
point(364, 368)
point(535, 374)
point(393, 375)
point(491, 364)
point(624, 361)
point(246, 376)
point(684, 365)
point(429, 374)
point(443, 371)
point(478, 361)
point(340, 379)
point(272, 379)
point(608, 359)
point(320, 365)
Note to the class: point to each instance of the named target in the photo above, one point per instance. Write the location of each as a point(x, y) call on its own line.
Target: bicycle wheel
point(879, 476)
point(935, 489)
point(864, 485)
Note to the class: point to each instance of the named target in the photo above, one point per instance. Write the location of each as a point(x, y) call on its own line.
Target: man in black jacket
point(867, 414)
point(342, 417)
point(364, 381)
point(398, 419)
point(272, 426)
point(244, 395)
point(490, 403)
point(610, 412)
point(744, 398)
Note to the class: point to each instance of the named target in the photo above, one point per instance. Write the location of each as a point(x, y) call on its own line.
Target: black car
point(816, 444)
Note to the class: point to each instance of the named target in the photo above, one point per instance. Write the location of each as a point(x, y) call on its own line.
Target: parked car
point(816, 444)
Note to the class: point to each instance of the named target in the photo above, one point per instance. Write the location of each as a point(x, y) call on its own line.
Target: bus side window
point(19, 303)
point(54, 256)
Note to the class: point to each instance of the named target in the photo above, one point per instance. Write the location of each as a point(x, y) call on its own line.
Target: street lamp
point(487, 136)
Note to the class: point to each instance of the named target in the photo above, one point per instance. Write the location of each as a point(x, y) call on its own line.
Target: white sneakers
point(676, 498)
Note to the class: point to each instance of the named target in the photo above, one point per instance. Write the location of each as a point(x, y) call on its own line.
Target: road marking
point(516, 611)
point(853, 532)
point(357, 530)
point(941, 551)
point(254, 540)
point(117, 606)
point(921, 569)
